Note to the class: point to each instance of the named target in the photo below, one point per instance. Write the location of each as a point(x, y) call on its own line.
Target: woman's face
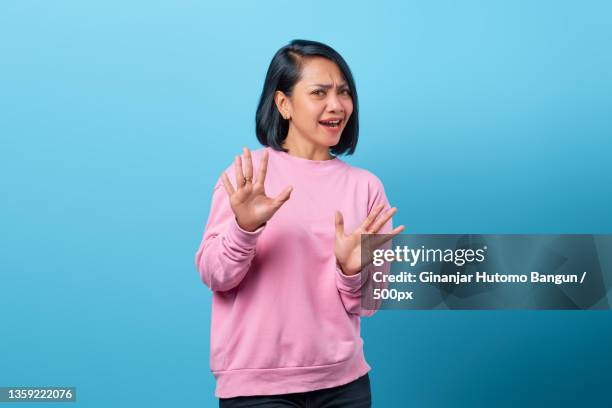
point(319, 100)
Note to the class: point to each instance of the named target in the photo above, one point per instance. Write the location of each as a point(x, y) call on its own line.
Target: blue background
point(116, 118)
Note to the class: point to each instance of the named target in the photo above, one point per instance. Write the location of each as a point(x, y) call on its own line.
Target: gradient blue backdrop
point(117, 117)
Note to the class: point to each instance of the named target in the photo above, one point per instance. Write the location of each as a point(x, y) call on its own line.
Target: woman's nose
point(334, 103)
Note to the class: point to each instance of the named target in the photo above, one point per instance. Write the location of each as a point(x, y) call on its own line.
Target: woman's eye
point(320, 92)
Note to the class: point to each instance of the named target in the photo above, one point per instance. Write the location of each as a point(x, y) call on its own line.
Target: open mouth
point(331, 123)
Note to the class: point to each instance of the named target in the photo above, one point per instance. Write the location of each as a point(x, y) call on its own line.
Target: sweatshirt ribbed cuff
point(242, 238)
point(348, 283)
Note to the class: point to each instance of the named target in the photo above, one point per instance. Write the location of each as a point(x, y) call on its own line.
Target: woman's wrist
point(247, 227)
point(345, 271)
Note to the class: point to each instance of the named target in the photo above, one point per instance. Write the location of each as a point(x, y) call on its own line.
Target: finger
point(248, 164)
point(371, 217)
point(280, 199)
point(382, 238)
point(397, 230)
point(263, 168)
point(226, 183)
point(382, 221)
point(239, 174)
point(339, 224)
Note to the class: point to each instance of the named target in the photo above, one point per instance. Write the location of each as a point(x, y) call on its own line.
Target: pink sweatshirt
point(285, 319)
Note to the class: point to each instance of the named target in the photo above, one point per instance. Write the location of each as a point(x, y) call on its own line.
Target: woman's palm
point(249, 202)
point(348, 248)
point(348, 252)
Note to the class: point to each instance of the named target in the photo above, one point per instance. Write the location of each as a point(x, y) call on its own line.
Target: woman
point(281, 249)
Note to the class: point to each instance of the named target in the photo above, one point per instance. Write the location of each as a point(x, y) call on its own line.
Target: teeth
point(332, 123)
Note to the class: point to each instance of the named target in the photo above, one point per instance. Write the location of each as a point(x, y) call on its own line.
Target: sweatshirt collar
point(305, 163)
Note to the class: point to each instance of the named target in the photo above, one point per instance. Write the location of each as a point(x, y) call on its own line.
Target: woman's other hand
point(348, 247)
point(249, 202)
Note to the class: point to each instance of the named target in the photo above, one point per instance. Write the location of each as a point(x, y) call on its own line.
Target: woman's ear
point(283, 104)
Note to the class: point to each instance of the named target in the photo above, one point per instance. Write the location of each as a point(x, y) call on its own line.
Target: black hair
point(283, 73)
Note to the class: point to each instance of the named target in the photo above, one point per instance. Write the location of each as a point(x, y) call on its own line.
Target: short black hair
point(283, 73)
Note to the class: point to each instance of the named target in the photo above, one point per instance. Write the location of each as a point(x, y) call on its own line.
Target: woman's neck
point(306, 150)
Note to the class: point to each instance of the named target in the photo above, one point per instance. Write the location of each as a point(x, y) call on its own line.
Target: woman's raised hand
point(348, 247)
point(249, 202)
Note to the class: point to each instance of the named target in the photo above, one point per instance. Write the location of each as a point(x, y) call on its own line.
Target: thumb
point(280, 199)
point(339, 224)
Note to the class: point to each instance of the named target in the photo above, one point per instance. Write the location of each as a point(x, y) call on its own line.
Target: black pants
point(355, 394)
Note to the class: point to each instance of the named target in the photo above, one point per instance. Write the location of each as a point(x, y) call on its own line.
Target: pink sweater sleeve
point(351, 287)
point(226, 251)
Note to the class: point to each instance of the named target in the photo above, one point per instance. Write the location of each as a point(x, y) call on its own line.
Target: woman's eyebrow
point(327, 86)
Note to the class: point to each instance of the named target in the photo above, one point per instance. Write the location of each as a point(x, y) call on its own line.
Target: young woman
point(281, 250)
